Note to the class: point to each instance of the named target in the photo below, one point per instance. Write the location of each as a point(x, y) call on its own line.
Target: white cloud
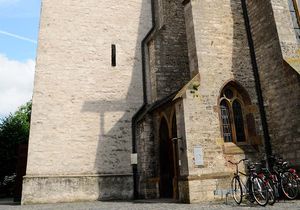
point(16, 83)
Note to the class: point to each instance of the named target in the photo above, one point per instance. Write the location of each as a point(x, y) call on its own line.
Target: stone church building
point(150, 99)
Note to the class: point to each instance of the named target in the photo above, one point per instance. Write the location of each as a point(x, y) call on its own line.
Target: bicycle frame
point(245, 188)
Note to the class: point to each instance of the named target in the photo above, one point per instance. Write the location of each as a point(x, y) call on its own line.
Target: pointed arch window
point(238, 121)
point(227, 132)
point(232, 115)
point(294, 10)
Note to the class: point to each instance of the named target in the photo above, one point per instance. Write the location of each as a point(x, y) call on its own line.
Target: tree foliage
point(14, 130)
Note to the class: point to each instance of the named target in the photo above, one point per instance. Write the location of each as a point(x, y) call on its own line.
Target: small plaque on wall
point(134, 160)
point(198, 156)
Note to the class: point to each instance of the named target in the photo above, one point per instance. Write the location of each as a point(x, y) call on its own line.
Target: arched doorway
point(166, 161)
point(169, 170)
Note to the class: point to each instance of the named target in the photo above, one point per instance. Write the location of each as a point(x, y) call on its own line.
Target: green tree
point(14, 130)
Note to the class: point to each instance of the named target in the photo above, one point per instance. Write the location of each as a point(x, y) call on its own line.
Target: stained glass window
point(227, 132)
point(238, 121)
point(233, 121)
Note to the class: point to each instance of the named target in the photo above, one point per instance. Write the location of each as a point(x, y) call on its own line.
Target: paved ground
point(6, 204)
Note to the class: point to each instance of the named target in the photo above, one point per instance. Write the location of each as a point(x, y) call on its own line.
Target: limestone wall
point(82, 106)
point(168, 52)
point(168, 72)
point(190, 33)
point(223, 55)
point(283, 20)
point(280, 82)
point(288, 37)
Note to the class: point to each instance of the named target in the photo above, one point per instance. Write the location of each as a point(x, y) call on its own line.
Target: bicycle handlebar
point(242, 160)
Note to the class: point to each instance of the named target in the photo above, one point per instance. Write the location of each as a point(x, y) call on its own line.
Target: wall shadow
point(279, 84)
point(242, 70)
point(115, 145)
point(168, 72)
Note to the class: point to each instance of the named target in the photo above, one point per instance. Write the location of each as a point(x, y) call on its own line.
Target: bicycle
point(294, 172)
point(288, 181)
point(271, 182)
point(255, 187)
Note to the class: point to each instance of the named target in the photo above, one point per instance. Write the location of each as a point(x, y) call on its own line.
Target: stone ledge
point(231, 148)
point(220, 175)
point(74, 175)
point(56, 189)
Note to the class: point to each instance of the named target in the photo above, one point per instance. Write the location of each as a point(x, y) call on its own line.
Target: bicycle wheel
point(272, 194)
point(289, 185)
point(260, 191)
point(236, 189)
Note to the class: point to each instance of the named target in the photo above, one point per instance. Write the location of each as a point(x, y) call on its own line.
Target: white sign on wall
point(134, 160)
point(198, 156)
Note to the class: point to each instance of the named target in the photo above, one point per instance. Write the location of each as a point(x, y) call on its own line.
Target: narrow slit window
point(113, 55)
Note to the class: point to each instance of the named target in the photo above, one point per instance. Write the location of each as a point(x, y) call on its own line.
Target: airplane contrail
point(18, 37)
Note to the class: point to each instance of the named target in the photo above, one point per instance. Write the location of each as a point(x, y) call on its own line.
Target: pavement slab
point(7, 204)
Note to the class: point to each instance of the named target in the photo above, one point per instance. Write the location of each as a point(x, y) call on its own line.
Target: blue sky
point(19, 21)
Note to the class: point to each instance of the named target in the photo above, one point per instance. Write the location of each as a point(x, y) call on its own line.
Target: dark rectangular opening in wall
point(113, 55)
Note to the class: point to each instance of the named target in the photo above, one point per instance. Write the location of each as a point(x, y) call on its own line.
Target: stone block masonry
point(82, 106)
point(81, 139)
point(169, 71)
point(169, 65)
point(222, 55)
point(279, 81)
point(54, 189)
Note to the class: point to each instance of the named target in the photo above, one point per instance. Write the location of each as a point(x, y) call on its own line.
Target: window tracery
point(233, 118)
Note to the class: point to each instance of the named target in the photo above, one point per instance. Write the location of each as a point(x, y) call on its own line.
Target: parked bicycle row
point(265, 183)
